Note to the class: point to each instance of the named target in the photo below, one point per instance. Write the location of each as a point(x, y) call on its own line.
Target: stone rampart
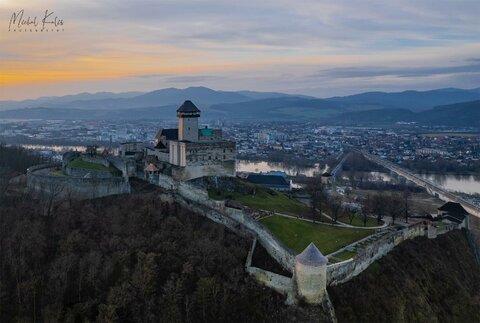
point(96, 160)
point(346, 270)
point(279, 283)
point(234, 218)
point(276, 248)
point(41, 180)
point(82, 172)
point(127, 167)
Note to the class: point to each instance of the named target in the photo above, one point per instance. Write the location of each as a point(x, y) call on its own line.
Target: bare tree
point(351, 215)
point(317, 192)
point(335, 208)
point(378, 206)
point(4, 181)
point(50, 193)
point(406, 204)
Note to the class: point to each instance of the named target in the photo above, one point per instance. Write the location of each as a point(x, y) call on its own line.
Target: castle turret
point(188, 115)
point(311, 274)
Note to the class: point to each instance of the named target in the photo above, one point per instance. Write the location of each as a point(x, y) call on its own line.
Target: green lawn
point(263, 200)
point(345, 255)
point(58, 173)
point(297, 234)
point(358, 221)
point(80, 163)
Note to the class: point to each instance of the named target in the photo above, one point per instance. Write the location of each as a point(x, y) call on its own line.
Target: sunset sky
point(318, 47)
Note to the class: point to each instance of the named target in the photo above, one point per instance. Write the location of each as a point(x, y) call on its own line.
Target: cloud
point(244, 44)
point(150, 75)
point(373, 71)
point(192, 78)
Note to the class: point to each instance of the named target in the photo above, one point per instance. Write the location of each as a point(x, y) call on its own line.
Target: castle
point(189, 151)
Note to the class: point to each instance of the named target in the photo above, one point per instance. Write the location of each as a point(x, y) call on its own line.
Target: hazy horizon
point(135, 93)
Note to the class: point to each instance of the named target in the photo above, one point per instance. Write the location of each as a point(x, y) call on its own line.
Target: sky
point(315, 47)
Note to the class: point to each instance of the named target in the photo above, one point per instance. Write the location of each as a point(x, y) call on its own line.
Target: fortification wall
point(96, 160)
point(233, 218)
point(41, 181)
point(82, 172)
point(344, 271)
point(127, 167)
point(274, 246)
point(279, 283)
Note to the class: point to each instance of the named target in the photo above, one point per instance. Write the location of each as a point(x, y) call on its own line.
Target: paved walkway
point(338, 224)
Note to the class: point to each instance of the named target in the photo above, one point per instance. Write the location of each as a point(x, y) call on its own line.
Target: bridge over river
point(435, 190)
point(431, 187)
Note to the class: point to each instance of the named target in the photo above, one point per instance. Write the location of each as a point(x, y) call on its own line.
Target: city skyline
point(320, 49)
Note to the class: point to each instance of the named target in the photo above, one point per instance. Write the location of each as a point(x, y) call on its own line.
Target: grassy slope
point(264, 200)
point(79, 163)
point(297, 234)
point(421, 280)
point(358, 221)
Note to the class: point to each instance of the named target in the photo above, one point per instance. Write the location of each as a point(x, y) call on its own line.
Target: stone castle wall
point(127, 167)
point(40, 180)
point(82, 172)
point(346, 270)
point(235, 219)
point(96, 160)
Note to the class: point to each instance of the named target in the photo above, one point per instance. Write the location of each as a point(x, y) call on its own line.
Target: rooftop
point(311, 256)
point(452, 207)
point(267, 179)
point(188, 107)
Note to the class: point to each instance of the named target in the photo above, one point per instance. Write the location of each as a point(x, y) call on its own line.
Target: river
point(264, 166)
point(469, 184)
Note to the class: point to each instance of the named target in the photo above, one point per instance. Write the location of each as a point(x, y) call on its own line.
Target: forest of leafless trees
point(129, 258)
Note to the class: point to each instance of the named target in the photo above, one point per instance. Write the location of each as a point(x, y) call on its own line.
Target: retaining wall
point(344, 271)
point(95, 160)
point(82, 172)
point(41, 181)
point(240, 218)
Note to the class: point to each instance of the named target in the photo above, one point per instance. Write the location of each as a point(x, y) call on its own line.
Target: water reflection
point(264, 166)
point(469, 184)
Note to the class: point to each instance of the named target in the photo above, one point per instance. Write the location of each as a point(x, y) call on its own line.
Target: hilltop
point(421, 280)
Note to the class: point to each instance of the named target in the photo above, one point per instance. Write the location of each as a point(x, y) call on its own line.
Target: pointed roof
point(452, 207)
point(151, 168)
point(169, 134)
point(188, 106)
point(311, 256)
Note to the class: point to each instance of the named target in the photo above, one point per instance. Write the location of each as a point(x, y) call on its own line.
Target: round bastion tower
point(311, 274)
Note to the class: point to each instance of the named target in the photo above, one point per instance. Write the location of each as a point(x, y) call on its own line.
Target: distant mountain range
point(411, 100)
point(464, 114)
point(448, 106)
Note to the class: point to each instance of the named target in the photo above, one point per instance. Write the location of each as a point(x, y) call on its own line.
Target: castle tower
point(311, 274)
point(188, 115)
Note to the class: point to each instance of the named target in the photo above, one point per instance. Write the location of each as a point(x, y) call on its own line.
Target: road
point(431, 187)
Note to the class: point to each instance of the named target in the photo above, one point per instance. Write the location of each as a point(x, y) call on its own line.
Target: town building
point(271, 181)
point(454, 213)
